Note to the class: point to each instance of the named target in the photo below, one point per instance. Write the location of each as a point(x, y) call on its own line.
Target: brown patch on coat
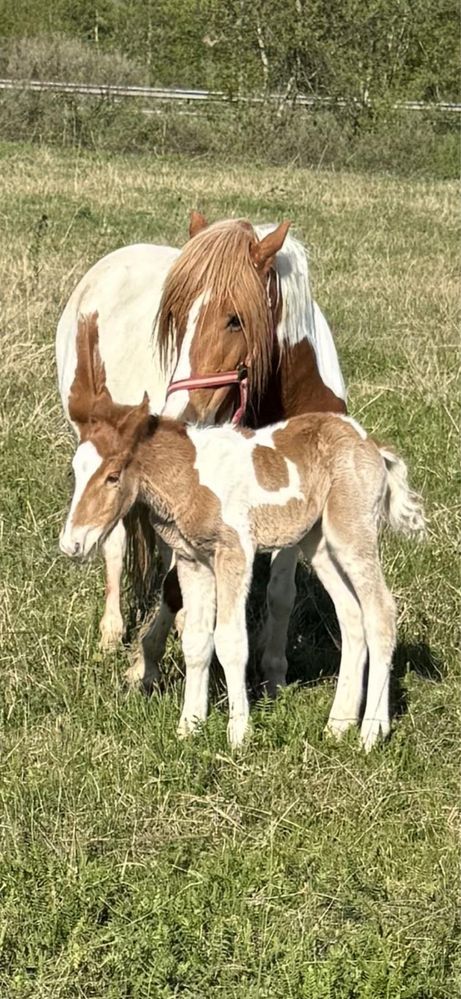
point(270, 467)
point(302, 388)
point(327, 452)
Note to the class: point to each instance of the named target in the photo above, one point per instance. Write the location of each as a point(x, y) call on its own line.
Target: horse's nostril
point(76, 548)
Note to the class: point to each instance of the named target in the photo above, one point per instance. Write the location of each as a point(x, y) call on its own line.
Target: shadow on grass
point(314, 642)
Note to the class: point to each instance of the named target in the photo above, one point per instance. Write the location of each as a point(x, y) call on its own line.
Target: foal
point(217, 496)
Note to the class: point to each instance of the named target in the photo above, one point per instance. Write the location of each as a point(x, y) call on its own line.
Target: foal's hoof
point(187, 726)
point(238, 730)
point(373, 730)
point(337, 727)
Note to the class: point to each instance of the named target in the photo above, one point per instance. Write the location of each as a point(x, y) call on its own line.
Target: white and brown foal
point(235, 297)
point(315, 483)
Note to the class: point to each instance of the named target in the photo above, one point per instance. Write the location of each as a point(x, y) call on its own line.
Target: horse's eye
point(234, 323)
point(113, 478)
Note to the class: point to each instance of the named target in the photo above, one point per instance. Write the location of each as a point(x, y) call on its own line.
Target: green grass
point(132, 865)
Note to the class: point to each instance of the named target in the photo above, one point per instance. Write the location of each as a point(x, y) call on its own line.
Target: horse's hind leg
point(150, 647)
point(281, 593)
point(349, 690)
point(111, 625)
point(354, 545)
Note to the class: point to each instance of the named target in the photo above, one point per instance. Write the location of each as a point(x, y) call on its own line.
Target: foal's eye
point(113, 478)
point(234, 323)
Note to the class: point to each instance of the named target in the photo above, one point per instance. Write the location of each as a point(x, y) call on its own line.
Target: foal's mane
point(218, 261)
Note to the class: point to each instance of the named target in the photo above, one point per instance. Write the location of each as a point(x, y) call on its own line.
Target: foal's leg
point(199, 595)
point(233, 577)
point(355, 547)
point(349, 690)
point(281, 593)
point(111, 625)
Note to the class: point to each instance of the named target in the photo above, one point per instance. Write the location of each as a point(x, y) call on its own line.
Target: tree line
point(376, 51)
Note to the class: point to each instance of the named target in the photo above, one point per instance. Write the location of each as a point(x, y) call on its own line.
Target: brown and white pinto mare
point(316, 483)
point(236, 297)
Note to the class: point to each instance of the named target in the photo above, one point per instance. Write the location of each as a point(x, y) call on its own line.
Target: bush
point(403, 143)
point(59, 57)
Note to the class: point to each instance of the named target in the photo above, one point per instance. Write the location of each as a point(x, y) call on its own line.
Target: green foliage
point(397, 143)
point(380, 49)
point(133, 866)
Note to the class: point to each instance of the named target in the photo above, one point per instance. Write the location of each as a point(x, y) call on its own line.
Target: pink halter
point(223, 378)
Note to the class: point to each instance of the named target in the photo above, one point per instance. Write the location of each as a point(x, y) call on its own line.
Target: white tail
point(402, 508)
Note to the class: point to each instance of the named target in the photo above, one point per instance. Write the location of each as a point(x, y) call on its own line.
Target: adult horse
point(236, 330)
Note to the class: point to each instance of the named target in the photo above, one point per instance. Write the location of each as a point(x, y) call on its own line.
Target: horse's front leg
point(198, 590)
point(111, 625)
point(233, 577)
point(281, 593)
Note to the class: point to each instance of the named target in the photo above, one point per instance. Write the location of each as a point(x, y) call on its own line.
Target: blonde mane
point(218, 261)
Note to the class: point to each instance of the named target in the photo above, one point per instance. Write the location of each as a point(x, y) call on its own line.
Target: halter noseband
point(239, 376)
point(222, 379)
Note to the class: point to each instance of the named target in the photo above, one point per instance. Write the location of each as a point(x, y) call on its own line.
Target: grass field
point(133, 865)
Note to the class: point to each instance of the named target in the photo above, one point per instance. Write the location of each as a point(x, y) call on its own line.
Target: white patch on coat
point(85, 463)
point(301, 316)
point(177, 402)
point(224, 462)
point(357, 426)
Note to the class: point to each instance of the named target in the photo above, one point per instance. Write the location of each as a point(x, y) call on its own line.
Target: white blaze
point(85, 463)
point(177, 402)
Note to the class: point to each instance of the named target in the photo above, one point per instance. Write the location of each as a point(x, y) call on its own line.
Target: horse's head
point(105, 475)
point(218, 313)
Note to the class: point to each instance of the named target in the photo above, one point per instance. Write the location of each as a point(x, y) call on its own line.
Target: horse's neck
point(295, 387)
point(302, 388)
point(165, 468)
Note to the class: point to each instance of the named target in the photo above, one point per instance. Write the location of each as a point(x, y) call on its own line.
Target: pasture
point(133, 865)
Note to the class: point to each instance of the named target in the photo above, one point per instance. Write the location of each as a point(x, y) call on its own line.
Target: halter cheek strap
point(239, 376)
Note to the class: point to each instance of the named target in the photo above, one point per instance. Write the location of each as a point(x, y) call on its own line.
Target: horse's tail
point(141, 561)
point(402, 508)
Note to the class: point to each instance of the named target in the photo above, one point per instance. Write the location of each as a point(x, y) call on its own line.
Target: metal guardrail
point(116, 92)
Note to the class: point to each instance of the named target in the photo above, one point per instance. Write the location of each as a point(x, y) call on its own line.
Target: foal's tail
point(402, 508)
point(141, 561)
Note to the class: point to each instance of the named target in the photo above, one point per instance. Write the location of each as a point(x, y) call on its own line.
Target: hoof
point(111, 628)
point(237, 731)
point(274, 674)
point(187, 726)
point(139, 675)
point(373, 730)
point(337, 727)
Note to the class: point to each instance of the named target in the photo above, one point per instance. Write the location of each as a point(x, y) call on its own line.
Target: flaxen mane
point(218, 260)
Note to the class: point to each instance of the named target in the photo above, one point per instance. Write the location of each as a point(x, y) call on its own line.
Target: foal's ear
point(197, 222)
point(263, 251)
point(135, 423)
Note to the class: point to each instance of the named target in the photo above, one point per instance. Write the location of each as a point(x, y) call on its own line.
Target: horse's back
point(124, 287)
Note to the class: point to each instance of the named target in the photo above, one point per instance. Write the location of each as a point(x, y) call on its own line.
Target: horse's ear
point(89, 382)
point(135, 423)
point(197, 222)
point(263, 251)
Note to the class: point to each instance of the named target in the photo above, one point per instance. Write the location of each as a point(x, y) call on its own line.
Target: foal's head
point(216, 312)
point(106, 482)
